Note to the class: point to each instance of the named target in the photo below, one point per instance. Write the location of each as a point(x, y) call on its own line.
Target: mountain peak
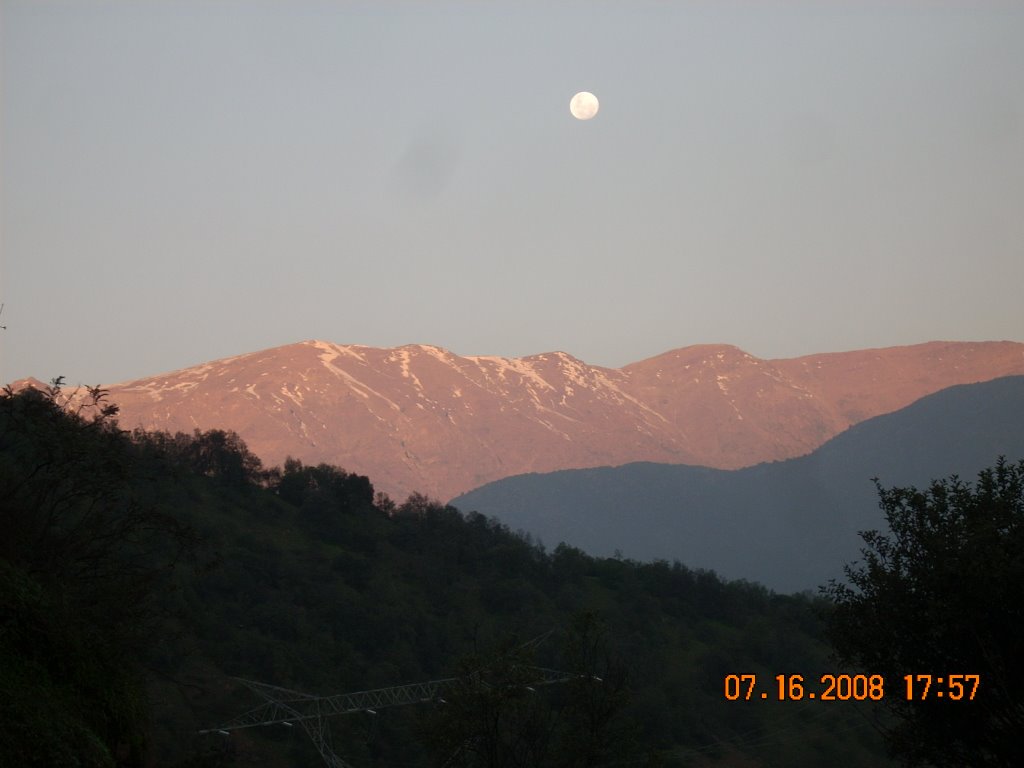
point(421, 418)
point(30, 383)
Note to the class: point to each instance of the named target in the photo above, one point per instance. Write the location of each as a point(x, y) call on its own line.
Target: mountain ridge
point(421, 418)
point(790, 525)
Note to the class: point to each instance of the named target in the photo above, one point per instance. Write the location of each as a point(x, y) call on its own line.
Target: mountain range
point(421, 418)
point(789, 525)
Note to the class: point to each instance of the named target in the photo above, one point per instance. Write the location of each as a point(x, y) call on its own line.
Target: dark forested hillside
point(140, 573)
point(790, 525)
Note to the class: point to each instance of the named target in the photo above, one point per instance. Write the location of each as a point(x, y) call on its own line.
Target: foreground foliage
point(496, 714)
point(304, 578)
point(81, 563)
point(940, 594)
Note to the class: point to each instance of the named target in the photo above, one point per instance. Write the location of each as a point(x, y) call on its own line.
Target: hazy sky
point(183, 181)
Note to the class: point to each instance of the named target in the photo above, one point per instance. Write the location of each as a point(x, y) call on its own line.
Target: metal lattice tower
point(282, 706)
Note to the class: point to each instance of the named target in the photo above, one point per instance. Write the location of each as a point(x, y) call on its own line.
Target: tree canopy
point(940, 594)
point(82, 559)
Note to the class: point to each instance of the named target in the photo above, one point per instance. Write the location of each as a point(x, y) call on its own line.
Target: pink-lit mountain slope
point(419, 418)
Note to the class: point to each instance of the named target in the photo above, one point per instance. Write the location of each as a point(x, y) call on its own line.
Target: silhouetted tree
point(223, 455)
point(323, 486)
point(943, 594)
point(81, 560)
point(69, 512)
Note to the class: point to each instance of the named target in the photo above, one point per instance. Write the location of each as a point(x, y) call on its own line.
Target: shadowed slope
point(790, 525)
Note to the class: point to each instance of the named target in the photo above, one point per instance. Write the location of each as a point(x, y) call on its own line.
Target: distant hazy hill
point(420, 418)
point(790, 525)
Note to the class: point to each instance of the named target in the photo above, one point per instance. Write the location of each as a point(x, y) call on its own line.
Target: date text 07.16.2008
point(957, 687)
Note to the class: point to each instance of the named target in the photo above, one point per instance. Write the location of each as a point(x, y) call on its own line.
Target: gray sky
point(183, 181)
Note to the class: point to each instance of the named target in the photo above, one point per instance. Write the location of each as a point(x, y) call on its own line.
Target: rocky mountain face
point(420, 418)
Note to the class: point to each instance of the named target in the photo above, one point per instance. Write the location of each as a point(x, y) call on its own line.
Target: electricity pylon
point(282, 706)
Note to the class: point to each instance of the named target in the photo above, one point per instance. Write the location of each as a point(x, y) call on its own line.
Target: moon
point(584, 105)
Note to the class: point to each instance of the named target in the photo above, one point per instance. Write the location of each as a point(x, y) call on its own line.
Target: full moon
point(584, 105)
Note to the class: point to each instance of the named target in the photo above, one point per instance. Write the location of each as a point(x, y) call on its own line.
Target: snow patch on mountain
point(403, 356)
point(295, 397)
point(327, 357)
point(507, 365)
point(348, 350)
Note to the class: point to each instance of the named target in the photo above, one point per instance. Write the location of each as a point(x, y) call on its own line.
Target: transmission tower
point(282, 706)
